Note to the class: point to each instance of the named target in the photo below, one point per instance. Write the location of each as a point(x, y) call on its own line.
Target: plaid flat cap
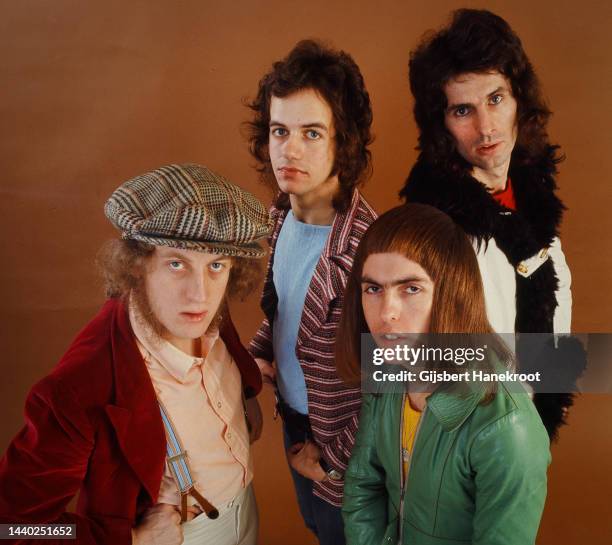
point(189, 207)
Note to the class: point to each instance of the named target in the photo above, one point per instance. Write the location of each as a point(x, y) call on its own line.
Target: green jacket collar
point(452, 405)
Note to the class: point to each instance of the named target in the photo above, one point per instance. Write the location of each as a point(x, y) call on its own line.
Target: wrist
point(330, 473)
point(321, 474)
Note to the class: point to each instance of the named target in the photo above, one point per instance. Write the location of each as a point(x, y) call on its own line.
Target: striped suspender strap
point(176, 456)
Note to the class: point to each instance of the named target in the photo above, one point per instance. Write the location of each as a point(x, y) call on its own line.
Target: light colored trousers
point(237, 523)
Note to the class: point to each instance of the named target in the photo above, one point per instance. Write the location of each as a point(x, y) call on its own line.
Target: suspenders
point(177, 460)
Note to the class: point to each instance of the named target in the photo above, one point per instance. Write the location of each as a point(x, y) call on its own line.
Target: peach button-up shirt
point(203, 399)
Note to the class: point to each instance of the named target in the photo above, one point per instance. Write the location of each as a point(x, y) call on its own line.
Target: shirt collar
point(342, 226)
point(173, 360)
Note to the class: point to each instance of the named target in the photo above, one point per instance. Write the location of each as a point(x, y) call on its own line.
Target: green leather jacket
point(477, 474)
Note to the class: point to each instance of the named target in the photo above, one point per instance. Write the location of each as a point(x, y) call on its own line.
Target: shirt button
point(219, 404)
point(229, 435)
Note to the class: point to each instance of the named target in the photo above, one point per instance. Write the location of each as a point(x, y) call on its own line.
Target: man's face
point(301, 143)
point(481, 117)
point(184, 289)
point(396, 297)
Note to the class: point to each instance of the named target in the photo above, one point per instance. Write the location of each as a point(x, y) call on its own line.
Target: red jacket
point(93, 426)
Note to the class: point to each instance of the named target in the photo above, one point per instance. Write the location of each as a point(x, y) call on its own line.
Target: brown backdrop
point(93, 93)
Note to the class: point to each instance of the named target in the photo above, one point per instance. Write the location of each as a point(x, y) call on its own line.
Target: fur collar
point(519, 234)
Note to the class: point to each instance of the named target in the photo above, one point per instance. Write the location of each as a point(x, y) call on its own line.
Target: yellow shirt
point(411, 422)
point(203, 398)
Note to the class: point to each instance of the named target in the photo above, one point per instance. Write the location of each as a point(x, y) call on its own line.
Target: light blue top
point(297, 253)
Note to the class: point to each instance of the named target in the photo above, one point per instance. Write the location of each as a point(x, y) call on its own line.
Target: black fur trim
point(553, 394)
point(552, 409)
point(468, 202)
point(519, 235)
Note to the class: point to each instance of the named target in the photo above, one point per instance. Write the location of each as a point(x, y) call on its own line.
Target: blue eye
point(496, 99)
point(176, 265)
point(313, 135)
point(413, 289)
point(371, 289)
point(279, 131)
point(217, 266)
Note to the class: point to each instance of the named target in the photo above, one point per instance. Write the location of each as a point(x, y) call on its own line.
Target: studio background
point(93, 93)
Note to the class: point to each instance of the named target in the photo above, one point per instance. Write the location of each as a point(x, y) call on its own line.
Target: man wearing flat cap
point(145, 416)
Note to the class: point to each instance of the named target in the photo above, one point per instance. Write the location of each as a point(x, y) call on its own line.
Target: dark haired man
point(145, 415)
point(310, 136)
point(485, 159)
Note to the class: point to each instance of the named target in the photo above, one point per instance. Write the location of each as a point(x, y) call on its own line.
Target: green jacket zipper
point(404, 480)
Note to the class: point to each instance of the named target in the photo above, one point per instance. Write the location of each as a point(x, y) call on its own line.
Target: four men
point(145, 413)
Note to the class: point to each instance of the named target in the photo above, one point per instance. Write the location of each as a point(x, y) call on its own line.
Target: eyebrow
point(314, 125)
point(497, 91)
point(399, 282)
point(464, 104)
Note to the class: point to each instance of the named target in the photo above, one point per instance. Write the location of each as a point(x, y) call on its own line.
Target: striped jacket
point(333, 407)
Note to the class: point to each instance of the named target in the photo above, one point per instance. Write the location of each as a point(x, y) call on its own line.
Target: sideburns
point(145, 314)
point(138, 296)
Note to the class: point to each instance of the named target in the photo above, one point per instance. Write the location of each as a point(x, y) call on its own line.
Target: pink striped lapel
point(331, 272)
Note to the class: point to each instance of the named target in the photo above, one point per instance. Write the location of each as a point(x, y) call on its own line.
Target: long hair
point(430, 238)
point(337, 78)
point(476, 41)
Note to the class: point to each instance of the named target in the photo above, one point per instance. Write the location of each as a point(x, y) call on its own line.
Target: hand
point(255, 418)
point(268, 373)
point(192, 511)
point(160, 525)
point(304, 458)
